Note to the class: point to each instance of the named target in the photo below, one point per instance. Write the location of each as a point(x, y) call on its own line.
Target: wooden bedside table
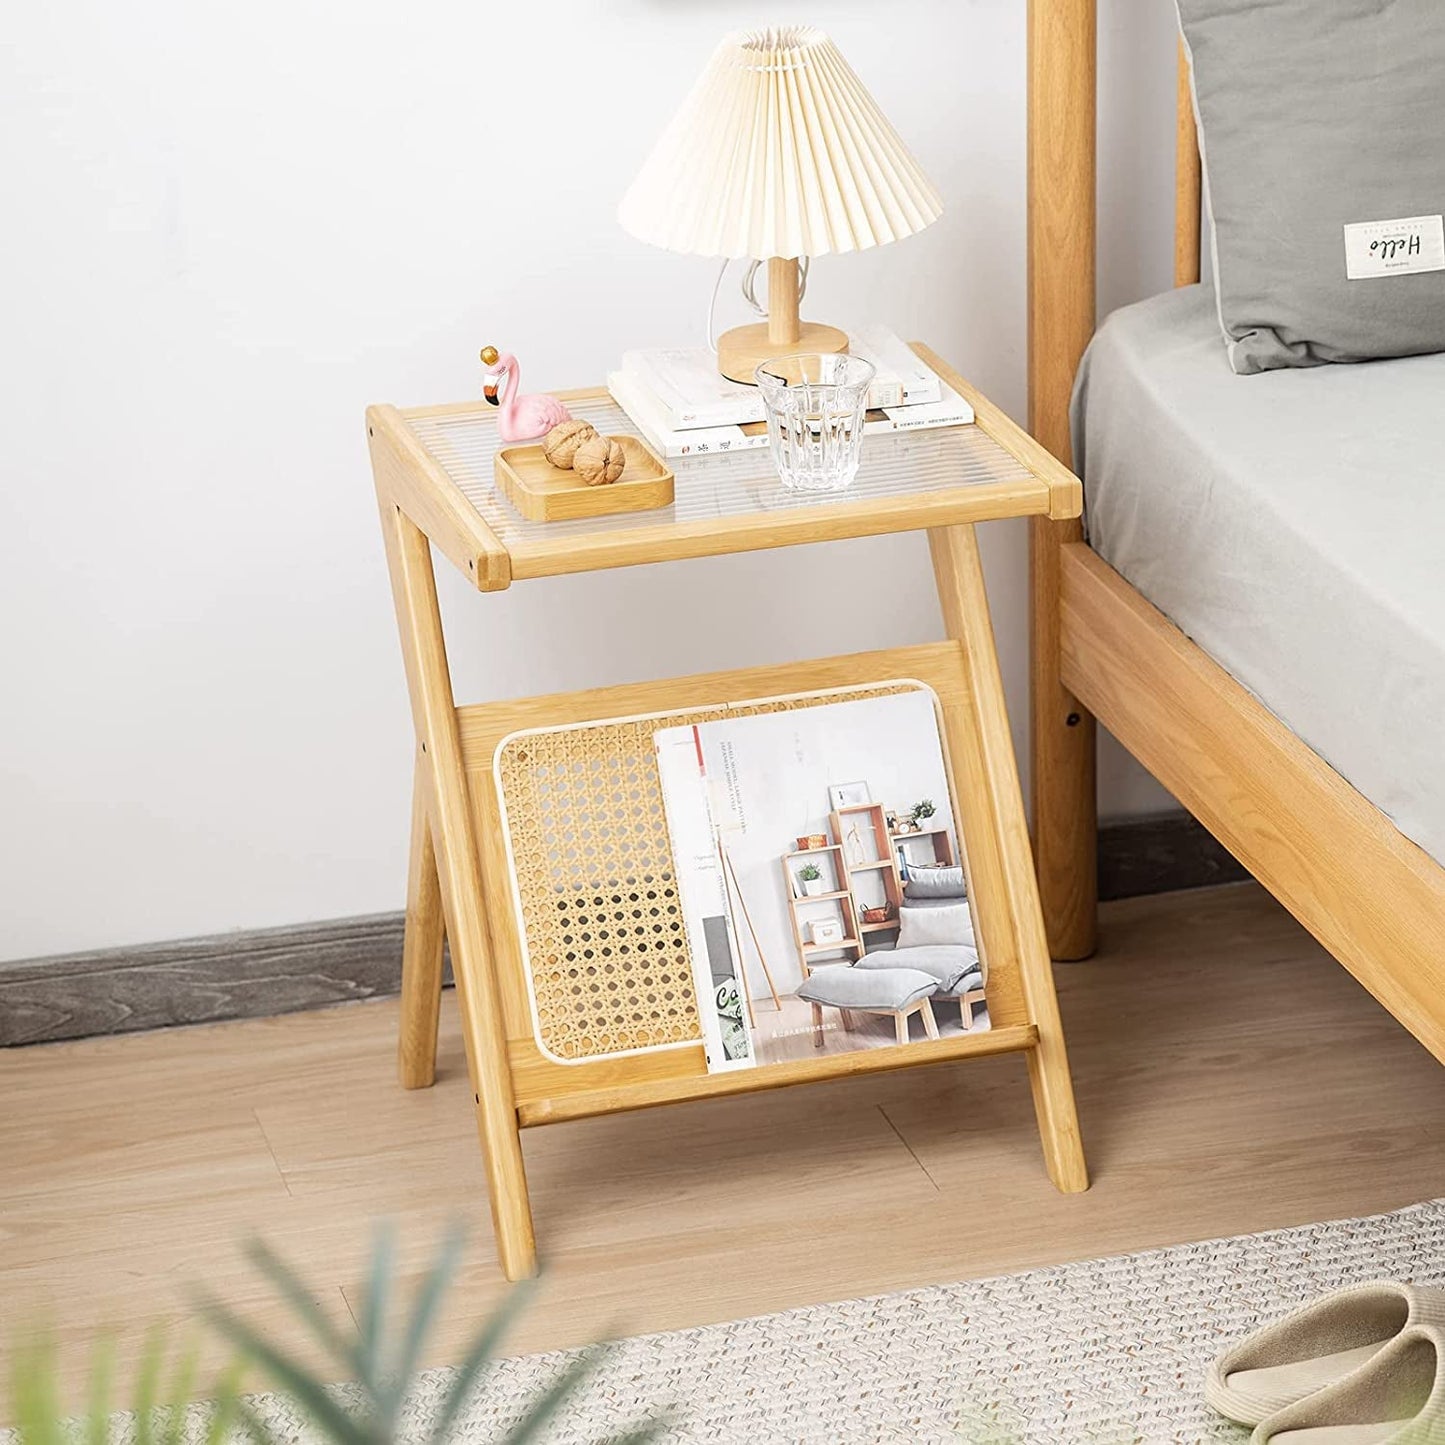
point(434, 483)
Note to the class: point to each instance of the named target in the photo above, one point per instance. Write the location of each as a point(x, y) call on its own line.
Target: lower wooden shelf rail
point(627, 1097)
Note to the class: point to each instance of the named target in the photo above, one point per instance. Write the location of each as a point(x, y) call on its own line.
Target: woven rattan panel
point(606, 947)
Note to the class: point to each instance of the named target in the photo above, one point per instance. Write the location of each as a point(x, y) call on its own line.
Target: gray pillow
point(1316, 119)
point(945, 963)
point(969, 983)
point(919, 927)
point(891, 989)
point(935, 882)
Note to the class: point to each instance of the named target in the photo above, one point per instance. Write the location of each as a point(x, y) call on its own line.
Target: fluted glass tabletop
point(716, 487)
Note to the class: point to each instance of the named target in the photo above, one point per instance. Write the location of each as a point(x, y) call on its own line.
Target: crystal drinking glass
point(815, 417)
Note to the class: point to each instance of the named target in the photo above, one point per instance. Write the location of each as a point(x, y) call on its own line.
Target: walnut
point(599, 460)
point(560, 444)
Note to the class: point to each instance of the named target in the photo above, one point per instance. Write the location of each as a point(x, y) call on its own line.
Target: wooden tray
point(544, 493)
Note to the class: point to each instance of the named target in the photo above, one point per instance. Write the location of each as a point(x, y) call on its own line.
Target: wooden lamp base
point(743, 349)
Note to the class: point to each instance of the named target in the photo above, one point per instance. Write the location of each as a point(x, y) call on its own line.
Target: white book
point(717, 961)
point(690, 390)
point(896, 362)
point(949, 410)
point(650, 419)
point(692, 393)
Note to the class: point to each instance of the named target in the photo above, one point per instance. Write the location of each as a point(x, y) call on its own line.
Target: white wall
point(229, 228)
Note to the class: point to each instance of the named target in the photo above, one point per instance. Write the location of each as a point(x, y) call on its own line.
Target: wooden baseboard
point(248, 974)
point(267, 971)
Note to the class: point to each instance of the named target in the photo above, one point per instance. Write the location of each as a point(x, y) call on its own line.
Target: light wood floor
point(1231, 1078)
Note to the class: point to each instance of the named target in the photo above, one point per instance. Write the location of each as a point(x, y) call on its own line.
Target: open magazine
point(819, 866)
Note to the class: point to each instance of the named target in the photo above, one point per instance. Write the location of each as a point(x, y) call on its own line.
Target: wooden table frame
point(458, 886)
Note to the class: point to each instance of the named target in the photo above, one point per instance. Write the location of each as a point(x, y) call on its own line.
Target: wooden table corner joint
point(432, 472)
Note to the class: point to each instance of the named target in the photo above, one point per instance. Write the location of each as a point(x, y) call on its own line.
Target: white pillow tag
point(1394, 248)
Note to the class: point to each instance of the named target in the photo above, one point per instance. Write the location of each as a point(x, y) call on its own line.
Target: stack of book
point(684, 406)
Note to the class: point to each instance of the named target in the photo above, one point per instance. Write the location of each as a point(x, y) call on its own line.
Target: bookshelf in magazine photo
point(834, 899)
point(539, 849)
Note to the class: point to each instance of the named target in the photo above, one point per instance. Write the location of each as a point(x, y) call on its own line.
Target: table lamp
point(779, 154)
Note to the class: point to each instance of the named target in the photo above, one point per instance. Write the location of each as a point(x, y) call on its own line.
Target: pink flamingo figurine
point(523, 417)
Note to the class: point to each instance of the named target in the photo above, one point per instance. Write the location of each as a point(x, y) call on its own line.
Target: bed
point(1235, 506)
point(1255, 609)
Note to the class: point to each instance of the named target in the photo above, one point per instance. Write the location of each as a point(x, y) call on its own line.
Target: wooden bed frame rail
point(1373, 898)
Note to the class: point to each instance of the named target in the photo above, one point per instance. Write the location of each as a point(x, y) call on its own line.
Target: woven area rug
point(1105, 1352)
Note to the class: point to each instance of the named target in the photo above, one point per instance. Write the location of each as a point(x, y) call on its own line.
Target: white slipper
point(1314, 1346)
point(1396, 1396)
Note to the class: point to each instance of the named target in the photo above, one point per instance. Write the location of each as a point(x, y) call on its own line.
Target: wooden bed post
point(1061, 213)
point(1188, 180)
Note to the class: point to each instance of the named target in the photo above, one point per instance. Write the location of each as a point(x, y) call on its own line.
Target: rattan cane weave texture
point(607, 957)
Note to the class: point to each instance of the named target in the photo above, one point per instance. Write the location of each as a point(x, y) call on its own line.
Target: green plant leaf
point(98, 1400)
point(41, 1417)
point(303, 1302)
point(308, 1391)
point(35, 1395)
point(373, 1310)
point(226, 1407)
point(423, 1316)
point(148, 1378)
point(384, 1380)
point(479, 1353)
point(183, 1387)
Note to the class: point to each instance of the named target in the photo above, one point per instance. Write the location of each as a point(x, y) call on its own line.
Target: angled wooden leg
point(900, 1027)
point(459, 871)
point(817, 1026)
point(421, 950)
point(930, 1024)
point(1007, 896)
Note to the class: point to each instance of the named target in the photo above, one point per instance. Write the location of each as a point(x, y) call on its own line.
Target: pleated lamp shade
point(778, 151)
point(778, 154)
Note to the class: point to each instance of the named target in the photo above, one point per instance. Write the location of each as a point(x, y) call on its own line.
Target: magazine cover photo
point(821, 872)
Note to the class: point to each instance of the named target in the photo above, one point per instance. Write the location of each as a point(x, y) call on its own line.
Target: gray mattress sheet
point(1292, 524)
